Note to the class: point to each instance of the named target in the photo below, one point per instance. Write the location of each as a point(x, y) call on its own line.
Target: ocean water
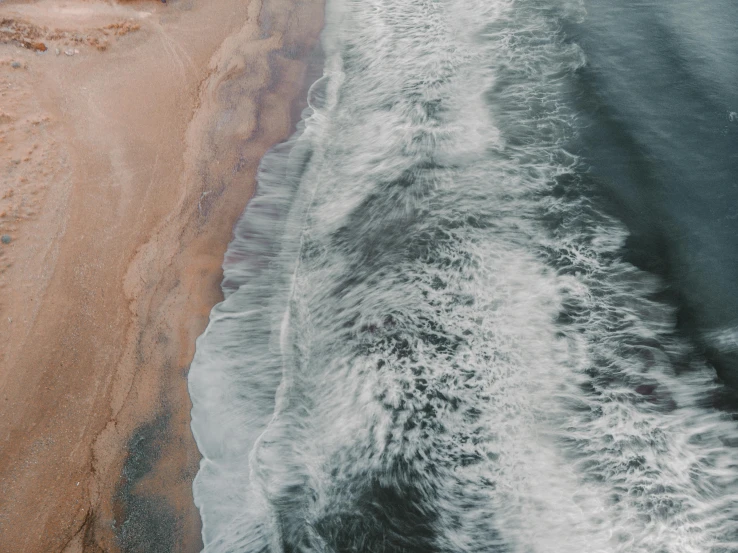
point(482, 299)
point(659, 103)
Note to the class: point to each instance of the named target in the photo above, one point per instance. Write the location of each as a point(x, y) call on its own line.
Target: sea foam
point(429, 340)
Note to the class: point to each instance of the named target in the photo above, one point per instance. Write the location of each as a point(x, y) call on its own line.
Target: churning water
point(431, 340)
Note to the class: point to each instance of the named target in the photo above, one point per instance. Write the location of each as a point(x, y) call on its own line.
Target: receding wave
point(430, 341)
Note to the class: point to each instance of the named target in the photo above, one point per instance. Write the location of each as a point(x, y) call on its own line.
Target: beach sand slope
point(130, 135)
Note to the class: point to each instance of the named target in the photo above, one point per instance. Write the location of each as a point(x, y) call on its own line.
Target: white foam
point(422, 300)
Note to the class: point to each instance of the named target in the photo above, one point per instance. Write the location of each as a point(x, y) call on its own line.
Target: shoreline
point(157, 142)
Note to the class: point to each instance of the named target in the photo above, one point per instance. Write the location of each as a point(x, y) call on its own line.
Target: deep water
point(479, 299)
point(659, 98)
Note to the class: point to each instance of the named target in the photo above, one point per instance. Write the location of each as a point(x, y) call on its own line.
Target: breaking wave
point(430, 341)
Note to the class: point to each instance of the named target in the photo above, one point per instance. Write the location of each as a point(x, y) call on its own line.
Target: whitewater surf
point(430, 340)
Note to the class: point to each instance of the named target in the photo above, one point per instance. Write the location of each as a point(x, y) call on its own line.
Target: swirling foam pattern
point(429, 341)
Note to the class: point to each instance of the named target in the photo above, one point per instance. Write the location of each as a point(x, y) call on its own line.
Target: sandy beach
point(130, 135)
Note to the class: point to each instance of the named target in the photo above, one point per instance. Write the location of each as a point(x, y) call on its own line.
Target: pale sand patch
point(122, 171)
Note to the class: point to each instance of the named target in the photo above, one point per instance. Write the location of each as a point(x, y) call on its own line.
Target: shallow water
point(433, 337)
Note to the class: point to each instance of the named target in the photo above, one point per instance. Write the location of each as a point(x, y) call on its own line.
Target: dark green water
point(659, 100)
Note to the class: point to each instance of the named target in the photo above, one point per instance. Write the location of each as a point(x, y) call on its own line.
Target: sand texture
point(130, 135)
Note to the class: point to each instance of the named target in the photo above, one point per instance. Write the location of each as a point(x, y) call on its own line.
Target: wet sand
point(129, 144)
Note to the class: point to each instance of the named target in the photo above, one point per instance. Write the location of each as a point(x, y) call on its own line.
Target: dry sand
point(130, 135)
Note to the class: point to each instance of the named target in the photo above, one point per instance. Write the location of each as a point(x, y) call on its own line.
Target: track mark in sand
point(176, 52)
